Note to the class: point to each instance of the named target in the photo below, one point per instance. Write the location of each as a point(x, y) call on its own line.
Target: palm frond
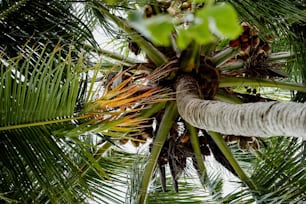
point(298, 68)
point(47, 22)
point(189, 193)
point(118, 8)
point(270, 16)
point(34, 166)
point(282, 175)
point(284, 23)
point(32, 163)
point(279, 172)
point(156, 56)
point(117, 164)
point(27, 88)
point(191, 190)
point(244, 158)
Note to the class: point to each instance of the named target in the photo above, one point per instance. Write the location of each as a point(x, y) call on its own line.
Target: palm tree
point(260, 119)
point(59, 140)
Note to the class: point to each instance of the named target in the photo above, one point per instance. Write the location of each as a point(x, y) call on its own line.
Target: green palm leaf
point(282, 176)
point(270, 16)
point(67, 152)
point(47, 22)
point(32, 160)
point(117, 164)
point(279, 172)
point(284, 22)
point(55, 154)
point(191, 190)
point(36, 92)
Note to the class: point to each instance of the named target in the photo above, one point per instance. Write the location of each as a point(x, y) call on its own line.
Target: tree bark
point(261, 119)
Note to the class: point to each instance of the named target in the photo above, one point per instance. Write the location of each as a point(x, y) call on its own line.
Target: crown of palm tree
point(61, 128)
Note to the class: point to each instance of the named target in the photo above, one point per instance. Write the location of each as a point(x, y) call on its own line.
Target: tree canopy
point(196, 107)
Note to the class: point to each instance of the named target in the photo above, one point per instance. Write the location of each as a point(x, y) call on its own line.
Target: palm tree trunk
point(262, 119)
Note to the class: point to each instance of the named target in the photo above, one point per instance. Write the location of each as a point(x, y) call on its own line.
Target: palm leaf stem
point(237, 81)
point(280, 56)
point(238, 64)
point(6, 199)
point(97, 156)
point(168, 119)
point(229, 156)
point(197, 151)
point(12, 9)
point(112, 55)
point(222, 56)
point(152, 110)
point(222, 96)
point(154, 54)
point(42, 123)
point(189, 57)
point(274, 58)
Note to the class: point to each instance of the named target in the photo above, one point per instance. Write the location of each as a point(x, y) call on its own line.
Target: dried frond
point(163, 71)
point(137, 87)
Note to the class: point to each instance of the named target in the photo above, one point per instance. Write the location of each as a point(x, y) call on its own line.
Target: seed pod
point(231, 138)
point(253, 32)
point(243, 144)
point(245, 46)
point(255, 41)
point(148, 10)
point(245, 26)
point(184, 139)
point(266, 48)
point(186, 5)
point(234, 43)
point(244, 38)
